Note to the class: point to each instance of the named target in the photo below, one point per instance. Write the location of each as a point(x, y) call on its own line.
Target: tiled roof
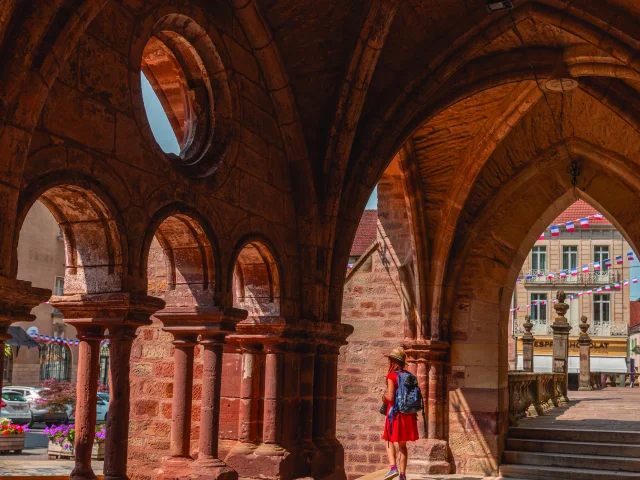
point(578, 210)
point(366, 233)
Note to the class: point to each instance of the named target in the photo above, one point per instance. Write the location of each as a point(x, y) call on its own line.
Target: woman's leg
point(391, 453)
point(403, 454)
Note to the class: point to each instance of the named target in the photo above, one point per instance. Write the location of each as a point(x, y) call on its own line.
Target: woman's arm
point(390, 396)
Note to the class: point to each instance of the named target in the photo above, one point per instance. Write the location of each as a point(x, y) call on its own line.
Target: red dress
point(405, 426)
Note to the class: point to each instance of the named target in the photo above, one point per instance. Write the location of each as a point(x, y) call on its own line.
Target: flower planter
point(57, 451)
point(12, 441)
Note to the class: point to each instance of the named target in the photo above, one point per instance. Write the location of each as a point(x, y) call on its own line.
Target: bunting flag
point(554, 300)
point(599, 290)
point(596, 267)
point(584, 222)
point(607, 287)
point(551, 275)
point(535, 302)
point(540, 274)
point(570, 227)
point(512, 310)
point(574, 272)
point(598, 216)
point(571, 298)
point(630, 256)
point(607, 262)
point(563, 274)
point(634, 280)
point(616, 285)
point(528, 306)
point(619, 259)
point(580, 294)
point(528, 277)
point(541, 237)
point(518, 309)
point(625, 283)
point(555, 231)
point(585, 269)
point(544, 302)
point(589, 292)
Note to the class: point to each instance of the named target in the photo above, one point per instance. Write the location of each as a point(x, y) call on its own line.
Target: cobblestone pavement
point(607, 409)
point(35, 462)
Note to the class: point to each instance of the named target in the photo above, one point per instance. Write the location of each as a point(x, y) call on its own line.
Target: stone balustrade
point(617, 379)
point(531, 394)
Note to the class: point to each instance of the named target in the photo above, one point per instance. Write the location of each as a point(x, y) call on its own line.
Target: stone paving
point(35, 462)
point(607, 409)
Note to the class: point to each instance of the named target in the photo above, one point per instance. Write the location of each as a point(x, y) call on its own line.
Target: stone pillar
point(90, 337)
point(17, 298)
point(335, 450)
point(584, 341)
point(307, 367)
point(527, 345)
point(561, 330)
point(121, 314)
point(429, 454)
point(272, 403)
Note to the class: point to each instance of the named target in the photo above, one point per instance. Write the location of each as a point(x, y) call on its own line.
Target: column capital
point(110, 310)
point(17, 298)
point(432, 351)
point(211, 322)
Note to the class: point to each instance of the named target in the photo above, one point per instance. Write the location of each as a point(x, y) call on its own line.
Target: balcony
point(591, 278)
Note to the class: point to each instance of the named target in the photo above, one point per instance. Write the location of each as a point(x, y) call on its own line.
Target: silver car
point(15, 407)
point(32, 395)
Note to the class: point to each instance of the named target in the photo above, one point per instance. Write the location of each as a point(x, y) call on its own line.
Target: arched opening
point(256, 280)
point(103, 377)
point(55, 362)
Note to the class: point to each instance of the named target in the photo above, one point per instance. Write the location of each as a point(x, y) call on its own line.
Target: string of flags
point(571, 226)
point(572, 296)
point(586, 268)
point(60, 340)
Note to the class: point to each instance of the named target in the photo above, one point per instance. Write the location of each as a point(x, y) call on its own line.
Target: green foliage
point(57, 396)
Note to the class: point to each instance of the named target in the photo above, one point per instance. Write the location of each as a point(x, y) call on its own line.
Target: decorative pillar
point(17, 298)
point(584, 341)
point(121, 314)
point(307, 367)
point(527, 345)
point(86, 398)
point(429, 454)
point(561, 329)
point(215, 329)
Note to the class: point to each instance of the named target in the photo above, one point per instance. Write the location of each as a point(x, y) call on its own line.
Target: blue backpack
point(408, 397)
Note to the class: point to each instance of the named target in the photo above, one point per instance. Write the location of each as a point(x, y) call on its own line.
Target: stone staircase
point(571, 454)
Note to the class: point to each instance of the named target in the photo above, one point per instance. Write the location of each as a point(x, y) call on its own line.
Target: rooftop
point(366, 233)
point(578, 210)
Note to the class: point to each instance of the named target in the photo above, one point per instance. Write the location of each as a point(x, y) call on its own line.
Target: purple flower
point(66, 446)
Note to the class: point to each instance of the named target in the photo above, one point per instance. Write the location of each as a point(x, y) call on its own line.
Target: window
point(569, 258)
point(539, 258)
point(104, 364)
point(55, 362)
point(600, 254)
point(538, 310)
point(58, 288)
point(601, 308)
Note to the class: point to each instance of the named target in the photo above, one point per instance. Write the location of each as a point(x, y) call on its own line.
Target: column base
point(261, 461)
point(428, 456)
point(77, 474)
point(585, 389)
point(175, 468)
point(211, 469)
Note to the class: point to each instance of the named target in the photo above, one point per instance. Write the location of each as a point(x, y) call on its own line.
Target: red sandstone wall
point(635, 314)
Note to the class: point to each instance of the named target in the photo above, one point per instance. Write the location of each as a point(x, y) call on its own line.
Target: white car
point(32, 395)
point(102, 408)
point(15, 407)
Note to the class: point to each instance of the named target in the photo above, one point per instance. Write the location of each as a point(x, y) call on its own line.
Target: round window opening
point(177, 97)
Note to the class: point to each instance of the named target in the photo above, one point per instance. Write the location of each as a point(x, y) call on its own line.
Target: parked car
point(32, 395)
point(102, 408)
point(15, 407)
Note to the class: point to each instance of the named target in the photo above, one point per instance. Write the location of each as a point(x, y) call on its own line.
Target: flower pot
point(12, 441)
point(56, 450)
point(97, 452)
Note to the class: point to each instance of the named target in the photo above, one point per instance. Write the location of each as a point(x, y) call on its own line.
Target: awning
point(543, 364)
point(20, 338)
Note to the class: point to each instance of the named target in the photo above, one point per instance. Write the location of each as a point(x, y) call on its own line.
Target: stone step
point(576, 435)
point(624, 464)
point(580, 448)
point(536, 472)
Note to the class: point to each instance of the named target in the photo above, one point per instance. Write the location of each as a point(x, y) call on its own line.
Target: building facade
point(41, 261)
point(599, 295)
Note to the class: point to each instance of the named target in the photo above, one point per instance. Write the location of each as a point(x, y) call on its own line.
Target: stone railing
point(615, 379)
point(596, 380)
point(531, 394)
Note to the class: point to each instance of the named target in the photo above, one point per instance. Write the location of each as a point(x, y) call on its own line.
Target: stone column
point(182, 397)
point(429, 454)
point(17, 298)
point(527, 345)
point(272, 403)
point(561, 330)
point(90, 337)
point(584, 341)
point(307, 363)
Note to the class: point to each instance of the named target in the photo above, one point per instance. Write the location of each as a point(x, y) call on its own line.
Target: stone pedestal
point(429, 455)
point(561, 330)
point(527, 345)
point(121, 314)
point(584, 342)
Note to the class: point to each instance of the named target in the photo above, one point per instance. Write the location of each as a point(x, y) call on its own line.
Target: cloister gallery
point(218, 274)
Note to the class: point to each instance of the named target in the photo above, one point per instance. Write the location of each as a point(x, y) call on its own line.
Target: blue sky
point(158, 120)
point(372, 204)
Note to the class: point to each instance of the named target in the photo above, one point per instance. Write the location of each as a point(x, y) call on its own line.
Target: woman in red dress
point(404, 427)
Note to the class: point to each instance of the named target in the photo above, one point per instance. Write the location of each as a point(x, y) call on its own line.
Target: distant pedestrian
point(403, 395)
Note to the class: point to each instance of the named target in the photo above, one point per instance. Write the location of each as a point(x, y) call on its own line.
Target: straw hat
point(397, 354)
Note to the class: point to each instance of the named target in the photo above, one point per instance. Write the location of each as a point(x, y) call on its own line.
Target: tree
point(57, 396)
